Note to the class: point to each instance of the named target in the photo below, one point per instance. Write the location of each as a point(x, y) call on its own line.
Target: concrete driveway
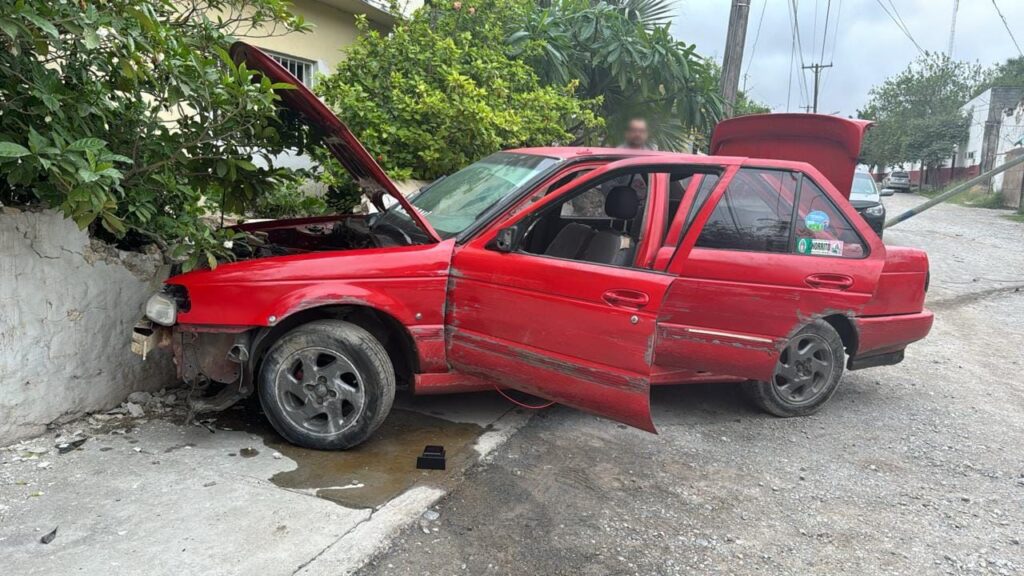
point(912, 469)
point(152, 496)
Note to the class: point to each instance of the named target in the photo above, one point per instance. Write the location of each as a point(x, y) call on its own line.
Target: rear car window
point(821, 230)
point(754, 213)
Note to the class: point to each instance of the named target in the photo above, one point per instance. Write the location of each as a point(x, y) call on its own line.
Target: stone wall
point(67, 306)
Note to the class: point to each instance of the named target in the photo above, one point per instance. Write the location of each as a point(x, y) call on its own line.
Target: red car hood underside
point(336, 135)
point(829, 143)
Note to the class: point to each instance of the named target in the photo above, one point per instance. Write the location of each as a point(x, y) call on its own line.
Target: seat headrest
point(622, 203)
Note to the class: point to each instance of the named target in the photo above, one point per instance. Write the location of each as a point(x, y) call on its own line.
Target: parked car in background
point(581, 275)
point(898, 180)
point(867, 201)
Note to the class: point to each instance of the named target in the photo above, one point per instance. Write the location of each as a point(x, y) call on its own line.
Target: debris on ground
point(49, 536)
point(65, 447)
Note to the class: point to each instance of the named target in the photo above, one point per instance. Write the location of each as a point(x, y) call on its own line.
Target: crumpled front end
point(212, 359)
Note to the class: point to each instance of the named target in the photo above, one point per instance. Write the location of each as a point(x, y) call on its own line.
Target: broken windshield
point(452, 204)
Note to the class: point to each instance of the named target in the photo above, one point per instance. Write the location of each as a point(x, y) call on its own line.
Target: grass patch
point(977, 197)
point(1016, 217)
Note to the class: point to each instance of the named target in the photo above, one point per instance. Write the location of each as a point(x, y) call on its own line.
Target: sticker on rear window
point(817, 247)
point(816, 221)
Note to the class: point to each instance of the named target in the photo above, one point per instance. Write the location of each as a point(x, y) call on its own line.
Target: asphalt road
point(911, 469)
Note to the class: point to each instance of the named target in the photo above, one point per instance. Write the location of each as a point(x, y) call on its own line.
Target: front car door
point(550, 318)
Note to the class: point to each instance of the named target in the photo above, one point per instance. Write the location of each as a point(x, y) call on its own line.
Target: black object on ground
point(431, 459)
point(49, 537)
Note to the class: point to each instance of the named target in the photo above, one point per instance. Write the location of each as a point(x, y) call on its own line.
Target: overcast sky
point(869, 46)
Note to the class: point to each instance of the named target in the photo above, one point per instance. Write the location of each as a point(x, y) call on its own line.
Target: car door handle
point(626, 298)
point(829, 281)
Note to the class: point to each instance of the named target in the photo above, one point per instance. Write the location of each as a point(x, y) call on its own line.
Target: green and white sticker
point(816, 247)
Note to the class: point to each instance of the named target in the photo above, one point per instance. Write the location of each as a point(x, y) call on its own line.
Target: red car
point(581, 275)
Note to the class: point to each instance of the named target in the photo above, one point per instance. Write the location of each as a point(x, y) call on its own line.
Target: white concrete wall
point(1011, 131)
point(67, 306)
point(978, 110)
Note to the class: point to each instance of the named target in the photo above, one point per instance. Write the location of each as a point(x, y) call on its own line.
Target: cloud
point(868, 49)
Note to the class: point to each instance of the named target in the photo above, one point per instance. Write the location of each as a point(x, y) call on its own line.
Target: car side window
point(754, 213)
point(602, 223)
point(590, 204)
point(821, 229)
point(708, 183)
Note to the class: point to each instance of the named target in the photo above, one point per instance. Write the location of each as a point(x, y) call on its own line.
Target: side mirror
point(507, 240)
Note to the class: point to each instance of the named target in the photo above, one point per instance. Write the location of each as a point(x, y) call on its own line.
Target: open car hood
point(829, 143)
point(336, 135)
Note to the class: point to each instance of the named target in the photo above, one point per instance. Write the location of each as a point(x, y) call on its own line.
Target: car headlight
point(875, 210)
point(162, 309)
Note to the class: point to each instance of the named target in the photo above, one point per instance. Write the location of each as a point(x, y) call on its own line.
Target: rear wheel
point(326, 385)
point(806, 374)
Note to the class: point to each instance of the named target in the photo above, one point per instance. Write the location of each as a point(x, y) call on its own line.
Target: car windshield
point(454, 203)
point(863, 188)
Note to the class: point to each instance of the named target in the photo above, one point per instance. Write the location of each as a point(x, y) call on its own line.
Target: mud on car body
point(581, 275)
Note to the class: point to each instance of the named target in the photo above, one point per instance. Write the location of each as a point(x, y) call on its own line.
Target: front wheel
point(326, 385)
point(806, 374)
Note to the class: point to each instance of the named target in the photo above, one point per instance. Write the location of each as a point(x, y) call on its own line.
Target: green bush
point(129, 115)
point(440, 92)
point(289, 201)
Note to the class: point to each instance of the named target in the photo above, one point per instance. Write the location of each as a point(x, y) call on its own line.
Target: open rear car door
point(336, 135)
point(829, 143)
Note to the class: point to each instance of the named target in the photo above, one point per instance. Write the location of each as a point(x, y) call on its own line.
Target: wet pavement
point(228, 495)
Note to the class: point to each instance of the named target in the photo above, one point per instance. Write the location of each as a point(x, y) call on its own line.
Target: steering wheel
point(387, 228)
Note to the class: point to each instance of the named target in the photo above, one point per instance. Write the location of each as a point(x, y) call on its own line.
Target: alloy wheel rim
point(320, 391)
point(804, 369)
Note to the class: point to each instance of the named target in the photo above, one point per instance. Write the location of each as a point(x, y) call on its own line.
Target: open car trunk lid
point(829, 143)
point(336, 136)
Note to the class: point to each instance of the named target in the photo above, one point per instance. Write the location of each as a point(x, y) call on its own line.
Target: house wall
point(334, 28)
point(1013, 181)
point(1011, 134)
point(67, 307)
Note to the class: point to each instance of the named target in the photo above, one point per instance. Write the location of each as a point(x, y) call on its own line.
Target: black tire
point(806, 375)
point(326, 385)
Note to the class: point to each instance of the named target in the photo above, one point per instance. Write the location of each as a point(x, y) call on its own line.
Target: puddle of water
point(372, 473)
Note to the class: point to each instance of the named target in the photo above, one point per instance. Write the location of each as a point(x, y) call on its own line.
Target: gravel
point(911, 469)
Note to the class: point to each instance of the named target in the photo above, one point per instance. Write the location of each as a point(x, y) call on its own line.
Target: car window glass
point(602, 223)
point(754, 213)
point(863, 187)
point(706, 186)
point(590, 204)
point(821, 230)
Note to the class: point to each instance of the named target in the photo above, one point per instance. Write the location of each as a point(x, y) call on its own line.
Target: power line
point(792, 61)
point(757, 36)
point(899, 25)
point(835, 40)
point(800, 48)
point(1007, 26)
point(952, 28)
point(824, 37)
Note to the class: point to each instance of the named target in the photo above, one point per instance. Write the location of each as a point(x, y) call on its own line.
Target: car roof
point(582, 152)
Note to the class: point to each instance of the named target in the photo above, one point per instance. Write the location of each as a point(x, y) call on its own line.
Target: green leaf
point(12, 150)
point(87, 144)
point(245, 165)
point(42, 23)
point(113, 224)
point(91, 39)
point(10, 28)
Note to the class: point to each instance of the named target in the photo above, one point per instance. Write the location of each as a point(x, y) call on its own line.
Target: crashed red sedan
point(581, 275)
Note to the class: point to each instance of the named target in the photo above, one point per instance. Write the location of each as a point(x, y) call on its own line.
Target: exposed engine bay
point(298, 236)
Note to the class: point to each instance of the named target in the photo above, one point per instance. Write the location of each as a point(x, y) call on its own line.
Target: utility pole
point(952, 28)
point(817, 68)
point(733, 59)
